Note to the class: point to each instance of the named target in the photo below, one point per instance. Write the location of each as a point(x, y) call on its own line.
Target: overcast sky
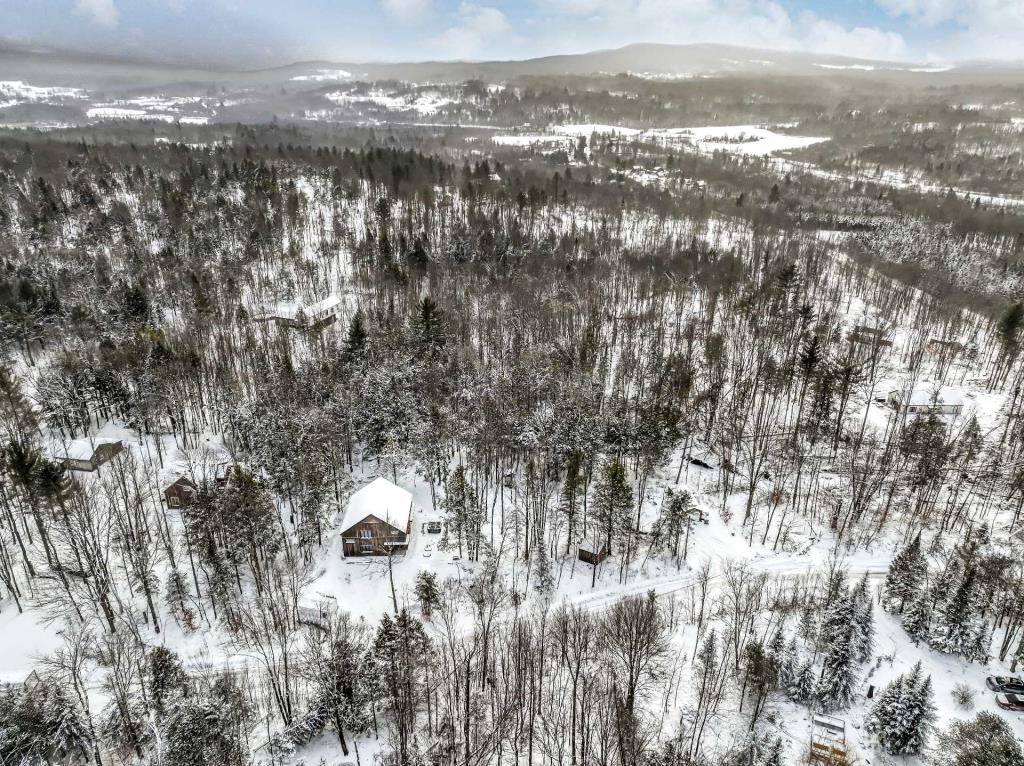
point(256, 32)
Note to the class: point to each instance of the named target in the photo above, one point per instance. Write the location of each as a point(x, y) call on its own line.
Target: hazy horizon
point(264, 34)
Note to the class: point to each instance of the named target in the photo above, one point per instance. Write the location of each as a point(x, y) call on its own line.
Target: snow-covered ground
point(13, 92)
point(323, 75)
point(423, 102)
point(733, 139)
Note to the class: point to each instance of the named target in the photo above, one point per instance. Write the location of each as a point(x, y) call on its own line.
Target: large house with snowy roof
point(377, 521)
point(926, 399)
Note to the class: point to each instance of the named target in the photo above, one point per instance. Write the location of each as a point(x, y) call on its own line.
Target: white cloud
point(101, 12)
point(478, 28)
point(406, 9)
point(966, 28)
point(825, 36)
point(925, 11)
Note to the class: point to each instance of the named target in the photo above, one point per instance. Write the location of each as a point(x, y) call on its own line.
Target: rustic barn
point(377, 521)
point(926, 399)
point(88, 454)
point(181, 492)
point(592, 551)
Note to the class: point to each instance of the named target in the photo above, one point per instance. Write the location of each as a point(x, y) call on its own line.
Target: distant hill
point(654, 61)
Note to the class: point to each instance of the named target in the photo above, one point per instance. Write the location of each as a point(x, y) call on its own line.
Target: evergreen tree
point(881, 719)
point(905, 578)
point(429, 323)
point(18, 421)
point(427, 592)
point(863, 620)
point(166, 679)
point(802, 685)
point(355, 340)
point(836, 687)
point(571, 497)
point(918, 619)
point(613, 500)
point(777, 653)
point(198, 732)
point(958, 629)
point(904, 713)
point(985, 740)
point(462, 512)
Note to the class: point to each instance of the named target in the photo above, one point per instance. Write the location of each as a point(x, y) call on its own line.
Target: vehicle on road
point(434, 527)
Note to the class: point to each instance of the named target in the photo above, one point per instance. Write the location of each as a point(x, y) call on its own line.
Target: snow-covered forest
point(573, 444)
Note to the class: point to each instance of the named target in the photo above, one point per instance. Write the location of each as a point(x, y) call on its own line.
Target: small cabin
point(303, 316)
point(592, 552)
point(377, 521)
point(924, 400)
point(317, 610)
point(865, 335)
point(946, 349)
point(828, 741)
point(182, 492)
point(222, 473)
point(89, 454)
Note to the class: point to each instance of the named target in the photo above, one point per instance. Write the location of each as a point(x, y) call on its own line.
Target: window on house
point(366, 548)
point(172, 501)
point(366, 534)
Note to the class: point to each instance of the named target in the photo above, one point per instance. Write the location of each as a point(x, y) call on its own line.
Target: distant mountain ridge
point(652, 60)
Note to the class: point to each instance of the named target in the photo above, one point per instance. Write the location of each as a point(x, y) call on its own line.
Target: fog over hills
point(66, 68)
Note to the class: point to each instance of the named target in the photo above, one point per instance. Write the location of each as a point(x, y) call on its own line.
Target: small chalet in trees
point(866, 335)
point(377, 520)
point(947, 349)
point(304, 316)
point(926, 399)
point(317, 610)
point(88, 454)
point(181, 493)
point(592, 551)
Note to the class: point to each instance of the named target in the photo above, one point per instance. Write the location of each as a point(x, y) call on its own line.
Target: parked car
point(1005, 684)
point(1010, 701)
point(434, 527)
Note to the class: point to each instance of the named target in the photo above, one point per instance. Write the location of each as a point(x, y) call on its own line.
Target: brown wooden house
point(377, 521)
point(592, 551)
point(181, 492)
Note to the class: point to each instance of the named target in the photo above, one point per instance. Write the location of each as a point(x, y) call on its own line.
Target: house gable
point(370, 520)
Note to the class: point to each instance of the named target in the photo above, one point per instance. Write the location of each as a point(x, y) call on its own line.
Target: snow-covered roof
point(590, 545)
point(291, 309)
point(319, 600)
point(382, 499)
point(328, 304)
point(82, 449)
point(926, 394)
point(183, 480)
